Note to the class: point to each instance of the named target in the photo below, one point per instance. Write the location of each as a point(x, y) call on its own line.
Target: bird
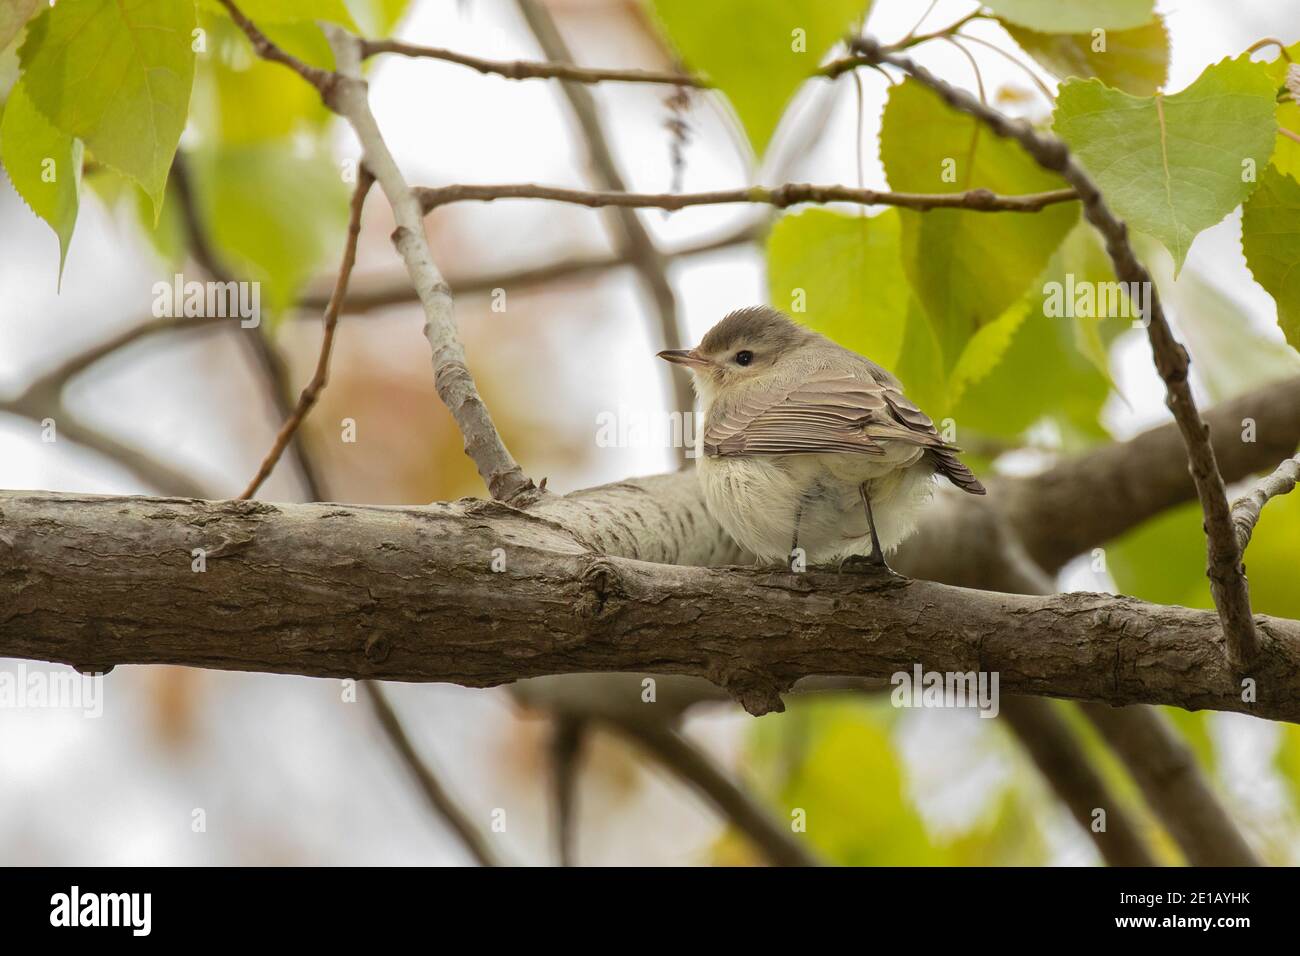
point(809, 451)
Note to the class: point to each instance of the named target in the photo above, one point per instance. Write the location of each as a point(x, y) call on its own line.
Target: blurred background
point(290, 770)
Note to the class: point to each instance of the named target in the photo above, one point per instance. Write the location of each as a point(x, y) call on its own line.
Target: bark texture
point(411, 594)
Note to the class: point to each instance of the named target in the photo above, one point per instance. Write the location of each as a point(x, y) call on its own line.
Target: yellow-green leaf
point(116, 75)
point(1135, 61)
point(44, 165)
point(757, 52)
point(1171, 166)
point(845, 271)
point(966, 267)
point(1270, 238)
point(1074, 16)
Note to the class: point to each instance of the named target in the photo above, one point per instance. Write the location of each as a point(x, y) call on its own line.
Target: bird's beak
point(684, 357)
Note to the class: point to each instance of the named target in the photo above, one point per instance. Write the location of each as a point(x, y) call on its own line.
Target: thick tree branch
point(1118, 486)
point(780, 197)
point(410, 594)
point(1246, 510)
point(1227, 576)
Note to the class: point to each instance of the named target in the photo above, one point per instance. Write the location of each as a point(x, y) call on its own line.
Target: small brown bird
point(809, 445)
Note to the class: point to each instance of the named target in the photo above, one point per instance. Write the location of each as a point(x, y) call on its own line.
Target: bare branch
point(527, 70)
point(357, 591)
point(695, 768)
point(307, 400)
point(1246, 510)
point(439, 800)
point(1167, 773)
point(568, 734)
point(781, 197)
point(1060, 757)
point(264, 47)
point(1227, 576)
point(452, 378)
point(633, 239)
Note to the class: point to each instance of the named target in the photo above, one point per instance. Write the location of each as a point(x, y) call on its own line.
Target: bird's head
point(745, 344)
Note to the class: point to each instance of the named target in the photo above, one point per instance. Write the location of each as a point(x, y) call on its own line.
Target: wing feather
point(832, 412)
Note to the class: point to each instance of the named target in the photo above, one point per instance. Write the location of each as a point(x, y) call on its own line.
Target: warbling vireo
point(809, 445)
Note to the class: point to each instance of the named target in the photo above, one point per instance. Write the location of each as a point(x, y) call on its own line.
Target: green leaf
point(231, 76)
point(846, 270)
point(44, 165)
point(1135, 61)
point(1287, 155)
point(291, 11)
point(967, 268)
point(14, 15)
point(1074, 16)
point(1173, 165)
point(274, 217)
point(984, 351)
point(1270, 238)
point(757, 52)
point(117, 78)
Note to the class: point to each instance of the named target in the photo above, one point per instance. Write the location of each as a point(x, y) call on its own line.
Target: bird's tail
point(951, 467)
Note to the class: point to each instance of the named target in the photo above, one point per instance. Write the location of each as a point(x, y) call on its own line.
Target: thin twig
point(736, 805)
point(440, 801)
point(529, 70)
point(1042, 87)
point(633, 240)
point(455, 385)
point(264, 47)
point(1246, 510)
point(319, 379)
point(781, 197)
point(1227, 576)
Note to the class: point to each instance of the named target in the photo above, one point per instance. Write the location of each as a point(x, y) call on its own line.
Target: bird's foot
point(873, 563)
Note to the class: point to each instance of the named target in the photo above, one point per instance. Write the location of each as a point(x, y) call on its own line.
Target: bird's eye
point(744, 357)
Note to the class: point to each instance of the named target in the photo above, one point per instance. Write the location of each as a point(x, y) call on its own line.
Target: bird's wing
point(830, 412)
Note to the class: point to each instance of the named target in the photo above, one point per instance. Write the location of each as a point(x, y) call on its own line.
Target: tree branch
point(1246, 510)
point(1227, 576)
point(307, 400)
point(1167, 773)
point(358, 591)
point(780, 197)
point(452, 378)
point(439, 800)
point(1056, 750)
point(363, 297)
point(736, 805)
point(527, 70)
point(634, 240)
